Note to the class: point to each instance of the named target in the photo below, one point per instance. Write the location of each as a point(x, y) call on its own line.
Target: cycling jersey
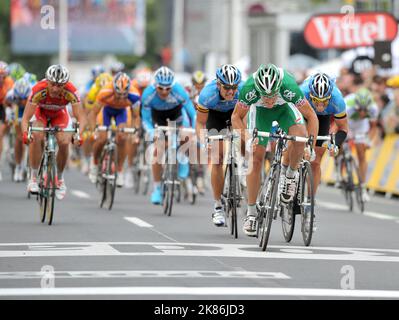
point(7, 85)
point(92, 94)
point(284, 111)
point(336, 106)
point(152, 104)
point(12, 99)
point(41, 97)
point(53, 108)
point(359, 127)
point(210, 99)
point(114, 107)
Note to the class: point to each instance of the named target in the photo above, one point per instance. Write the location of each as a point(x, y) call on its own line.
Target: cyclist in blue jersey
point(215, 106)
point(16, 100)
point(163, 100)
point(327, 101)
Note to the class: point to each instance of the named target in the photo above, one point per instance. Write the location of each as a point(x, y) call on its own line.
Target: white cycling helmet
point(57, 74)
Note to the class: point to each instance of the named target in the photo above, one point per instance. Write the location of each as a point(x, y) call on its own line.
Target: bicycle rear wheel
point(357, 185)
point(307, 203)
point(51, 178)
point(269, 207)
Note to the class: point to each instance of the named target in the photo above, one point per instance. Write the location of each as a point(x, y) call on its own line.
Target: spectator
point(389, 117)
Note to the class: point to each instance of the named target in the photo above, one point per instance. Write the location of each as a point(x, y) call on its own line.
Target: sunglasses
point(320, 100)
point(164, 88)
point(270, 96)
point(59, 85)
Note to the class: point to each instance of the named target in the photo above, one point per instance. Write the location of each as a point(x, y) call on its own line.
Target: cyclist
point(17, 71)
point(6, 83)
point(272, 94)
point(48, 102)
point(17, 97)
point(165, 99)
point(198, 81)
point(215, 106)
point(95, 72)
point(89, 101)
point(327, 101)
point(117, 67)
point(113, 101)
point(362, 113)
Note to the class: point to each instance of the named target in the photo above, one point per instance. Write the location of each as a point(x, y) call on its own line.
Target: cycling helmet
point(228, 74)
point(57, 74)
point(121, 83)
point(268, 79)
point(198, 77)
point(17, 71)
point(363, 98)
point(143, 77)
point(22, 88)
point(96, 71)
point(164, 77)
point(103, 79)
point(117, 67)
point(320, 86)
point(4, 69)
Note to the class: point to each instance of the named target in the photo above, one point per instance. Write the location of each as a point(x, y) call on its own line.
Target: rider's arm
point(200, 125)
point(29, 111)
point(311, 118)
point(93, 115)
point(79, 114)
point(238, 119)
point(342, 130)
point(136, 116)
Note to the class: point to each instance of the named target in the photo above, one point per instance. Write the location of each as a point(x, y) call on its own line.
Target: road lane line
point(139, 222)
point(216, 274)
point(80, 194)
point(371, 214)
point(200, 291)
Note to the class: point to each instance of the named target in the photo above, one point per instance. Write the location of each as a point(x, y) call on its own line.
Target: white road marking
point(340, 207)
point(86, 249)
point(146, 274)
point(200, 291)
point(80, 194)
point(139, 222)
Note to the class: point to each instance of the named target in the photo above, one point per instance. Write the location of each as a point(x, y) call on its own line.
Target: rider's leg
point(316, 170)
point(217, 174)
point(361, 156)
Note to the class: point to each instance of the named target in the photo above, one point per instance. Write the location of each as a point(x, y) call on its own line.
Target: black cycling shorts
point(217, 120)
point(324, 127)
point(2, 113)
point(160, 118)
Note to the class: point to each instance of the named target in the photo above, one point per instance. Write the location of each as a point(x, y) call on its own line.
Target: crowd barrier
point(383, 168)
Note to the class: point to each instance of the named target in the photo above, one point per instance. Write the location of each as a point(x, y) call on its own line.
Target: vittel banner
point(327, 31)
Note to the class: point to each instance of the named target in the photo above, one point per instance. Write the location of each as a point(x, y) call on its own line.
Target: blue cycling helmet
point(164, 77)
point(228, 74)
point(320, 85)
point(22, 88)
point(96, 71)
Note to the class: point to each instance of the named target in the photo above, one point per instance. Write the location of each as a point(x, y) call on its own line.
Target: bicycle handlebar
point(124, 130)
point(283, 136)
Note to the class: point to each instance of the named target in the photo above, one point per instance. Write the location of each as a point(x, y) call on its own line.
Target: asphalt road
point(136, 252)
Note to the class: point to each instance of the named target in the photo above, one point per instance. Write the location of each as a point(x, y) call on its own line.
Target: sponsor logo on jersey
point(251, 95)
point(289, 94)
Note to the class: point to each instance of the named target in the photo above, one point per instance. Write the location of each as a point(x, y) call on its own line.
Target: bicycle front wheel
point(43, 189)
point(51, 177)
point(357, 185)
point(269, 207)
point(307, 202)
point(112, 175)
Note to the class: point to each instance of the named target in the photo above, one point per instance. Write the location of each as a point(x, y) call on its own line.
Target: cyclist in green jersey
point(272, 94)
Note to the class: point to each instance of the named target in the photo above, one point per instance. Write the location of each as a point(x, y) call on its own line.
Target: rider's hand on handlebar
point(25, 138)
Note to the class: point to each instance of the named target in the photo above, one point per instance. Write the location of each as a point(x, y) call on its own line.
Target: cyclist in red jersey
point(48, 102)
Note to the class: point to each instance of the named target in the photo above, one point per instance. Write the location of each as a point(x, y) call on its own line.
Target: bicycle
point(303, 202)
point(48, 170)
point(232, 193)
point(269, 203)
point(141, 169)
point(349, 177)
point(107, 167)
point(170, 182)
